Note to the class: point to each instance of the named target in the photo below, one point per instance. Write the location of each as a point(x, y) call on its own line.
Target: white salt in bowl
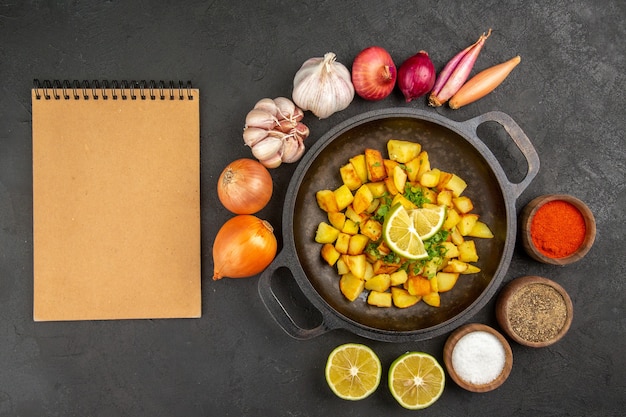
point(477, 357)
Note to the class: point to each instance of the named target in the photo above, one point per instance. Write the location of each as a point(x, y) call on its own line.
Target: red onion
point(373, 73)
point(416, 76)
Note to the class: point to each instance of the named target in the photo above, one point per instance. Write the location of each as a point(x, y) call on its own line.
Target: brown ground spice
point(537, 313)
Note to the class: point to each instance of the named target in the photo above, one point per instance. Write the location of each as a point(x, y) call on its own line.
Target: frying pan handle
point(521, 140)
point(276, 307)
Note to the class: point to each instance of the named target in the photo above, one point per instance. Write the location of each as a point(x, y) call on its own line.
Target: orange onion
point(244, 246)
point(483, 83)
point(244, 186)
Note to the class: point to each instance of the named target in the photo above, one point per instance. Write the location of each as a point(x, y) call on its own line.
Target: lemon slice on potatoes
point(416, 380)
point(401, 235)
point(428, 220)
point(353, 371)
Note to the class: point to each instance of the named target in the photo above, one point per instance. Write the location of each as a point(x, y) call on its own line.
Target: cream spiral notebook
point(116, 200)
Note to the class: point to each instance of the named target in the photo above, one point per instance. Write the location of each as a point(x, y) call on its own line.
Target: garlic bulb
point(274, 131)
point(323, 86)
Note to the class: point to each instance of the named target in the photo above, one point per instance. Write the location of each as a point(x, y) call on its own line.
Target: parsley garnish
point(433, 245)
point(415, 195)
point(383, 208)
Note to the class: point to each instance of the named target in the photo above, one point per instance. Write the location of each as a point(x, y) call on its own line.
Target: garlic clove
point(293, 149)
point(323, 86)
point(253, 135)
point(286, 108)
point(267, 148)
point(268, 105)
point(298, 114)
point(260, 118)
point(286, 125)
point(290, 148)
point(274, 133)
point(301, 131)
point(273, 161)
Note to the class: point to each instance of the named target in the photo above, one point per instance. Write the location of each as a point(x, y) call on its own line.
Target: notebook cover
point(116, 208)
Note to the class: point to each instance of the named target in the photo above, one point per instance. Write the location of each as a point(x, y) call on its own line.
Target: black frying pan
point(452, 146)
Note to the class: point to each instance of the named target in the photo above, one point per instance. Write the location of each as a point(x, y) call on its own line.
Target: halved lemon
point(401, 236)
point(416, 380)
point(353, 371)
point(428, 220)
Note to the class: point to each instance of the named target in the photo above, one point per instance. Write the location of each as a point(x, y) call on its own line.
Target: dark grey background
point(567, 95)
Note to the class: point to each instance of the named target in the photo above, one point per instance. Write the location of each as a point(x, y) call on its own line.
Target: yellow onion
point(244, 246)
point(245, 186)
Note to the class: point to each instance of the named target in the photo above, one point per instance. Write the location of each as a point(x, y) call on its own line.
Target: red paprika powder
point(557, 229)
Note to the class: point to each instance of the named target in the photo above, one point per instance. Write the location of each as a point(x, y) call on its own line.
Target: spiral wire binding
point(124, 90)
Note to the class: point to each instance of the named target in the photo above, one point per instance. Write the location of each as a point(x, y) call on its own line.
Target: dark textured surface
point(567, 95)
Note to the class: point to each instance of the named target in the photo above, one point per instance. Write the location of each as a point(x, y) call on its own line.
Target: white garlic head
point(323, 86)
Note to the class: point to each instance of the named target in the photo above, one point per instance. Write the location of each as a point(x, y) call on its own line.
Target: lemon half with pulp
point(353, 371)
point(416, 380)
point(428, 220)
point(401, 235)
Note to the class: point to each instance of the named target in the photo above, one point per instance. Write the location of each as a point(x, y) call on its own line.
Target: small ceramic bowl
point(534, 311)
point(480, 362)
point(528, 215)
